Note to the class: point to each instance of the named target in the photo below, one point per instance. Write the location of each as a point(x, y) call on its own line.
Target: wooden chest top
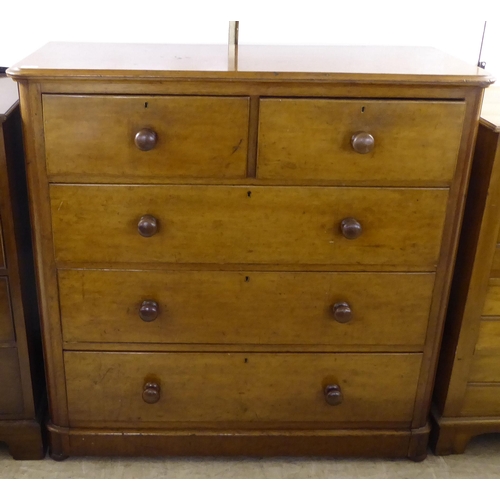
point(421, 65)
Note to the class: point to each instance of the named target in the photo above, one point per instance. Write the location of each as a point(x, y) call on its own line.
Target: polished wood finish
point(316, 139)
point(161, 442)
point(21, 372)
point(467, 389)
point(481, 400)
point(249, 262)
point(188, 136)
point(249, 225)
point(484, 368)
point(290, 64)
point(239, 388)
point(211, 307)
point(489, 336)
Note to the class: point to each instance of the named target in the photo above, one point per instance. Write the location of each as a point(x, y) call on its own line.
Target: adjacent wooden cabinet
point(21, 368)
point(467, 397)
point(249, 258)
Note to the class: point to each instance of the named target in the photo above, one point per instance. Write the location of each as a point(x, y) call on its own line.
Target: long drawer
point(397, 228)
point(412, 142)
point(143, 388)
point(188, 136)
point(245, 307)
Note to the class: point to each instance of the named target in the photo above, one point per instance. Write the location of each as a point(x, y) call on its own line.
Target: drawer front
point(239, 387)
point(401, 228)
point(195, 136)
point(11, 396)
point(496, 259)
point(415, 142)
point(489, 337)
point(492, 303)
point(481, 401)
point(485, 367)
point(7, 332)
point(245, 308)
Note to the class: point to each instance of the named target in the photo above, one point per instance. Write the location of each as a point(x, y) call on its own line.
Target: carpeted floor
point(481, 460)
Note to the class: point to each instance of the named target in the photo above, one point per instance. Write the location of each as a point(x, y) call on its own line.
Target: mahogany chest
point(249, 257)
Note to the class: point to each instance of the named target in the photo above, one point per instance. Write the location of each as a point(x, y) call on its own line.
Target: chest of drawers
point(244, 260)
point(467, 396)
point(21, 367)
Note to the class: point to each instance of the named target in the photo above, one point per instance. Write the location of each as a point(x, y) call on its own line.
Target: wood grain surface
point(197, 136)
point(244, 225)
point(310, 139)
point(106, 388)
point(245, 307)
point(371, 64)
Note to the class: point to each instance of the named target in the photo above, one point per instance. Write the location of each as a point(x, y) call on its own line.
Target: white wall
point(28, 24)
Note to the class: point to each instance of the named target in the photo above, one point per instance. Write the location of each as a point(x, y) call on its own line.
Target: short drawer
point(11, 395)
point(198, 388)
point(262, 308)
point(190, 136)
point(414, 142)
point(396, 228)
point(7, 332)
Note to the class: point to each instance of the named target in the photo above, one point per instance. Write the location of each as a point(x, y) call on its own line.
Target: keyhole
point(363, 109)
point(145, 104)
point(249, 194)
point(247, 278)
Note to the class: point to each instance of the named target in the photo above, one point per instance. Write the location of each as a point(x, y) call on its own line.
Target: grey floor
point(481, 460)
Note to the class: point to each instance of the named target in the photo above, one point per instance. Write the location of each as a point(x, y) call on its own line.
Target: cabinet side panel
point(32, 119)
point(21, 271)
point(470, 281)
point(449, 245)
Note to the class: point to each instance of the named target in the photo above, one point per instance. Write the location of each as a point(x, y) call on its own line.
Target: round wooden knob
point(333, 395)
point(362, 143)
point(342, 312)
point(148, 310)
point(351, 228)
point(151, 392)
point(146, 139)
point(147, 226)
